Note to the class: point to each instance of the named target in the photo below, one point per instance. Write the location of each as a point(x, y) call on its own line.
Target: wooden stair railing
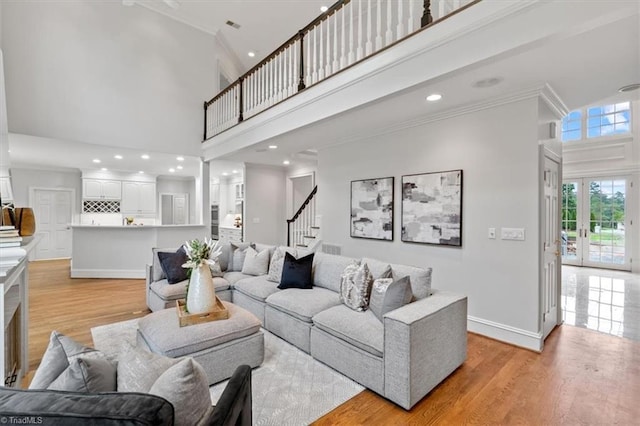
point(348, 32)
point(303, 221)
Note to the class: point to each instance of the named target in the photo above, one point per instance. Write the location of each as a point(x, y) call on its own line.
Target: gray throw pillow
point(185, 385)
point(355, 286)
point(56, 359)
point(138, 369)
point(256, 263)
point(387, 295)
point(86, 375)
point(237, 255)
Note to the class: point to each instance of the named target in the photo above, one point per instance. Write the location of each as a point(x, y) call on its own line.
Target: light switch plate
point(492, 233)
point(516, 234)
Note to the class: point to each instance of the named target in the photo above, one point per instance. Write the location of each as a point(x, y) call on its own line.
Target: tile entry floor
point(604, 300)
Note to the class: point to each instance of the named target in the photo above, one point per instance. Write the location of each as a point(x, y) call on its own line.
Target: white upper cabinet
point(138, 198)
point(101, 189)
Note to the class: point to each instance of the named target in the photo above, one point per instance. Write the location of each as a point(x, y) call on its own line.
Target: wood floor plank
point(581, 377)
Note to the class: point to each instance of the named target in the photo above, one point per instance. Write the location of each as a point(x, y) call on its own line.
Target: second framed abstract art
point(372, 208)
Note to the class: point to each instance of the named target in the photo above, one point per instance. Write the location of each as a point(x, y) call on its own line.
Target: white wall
point(23, 179)
point(167, 185)
point(498, 152)
point(102, 73)
point(264, 219)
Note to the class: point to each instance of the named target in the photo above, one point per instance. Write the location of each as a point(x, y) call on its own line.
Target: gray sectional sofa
point(402, 358)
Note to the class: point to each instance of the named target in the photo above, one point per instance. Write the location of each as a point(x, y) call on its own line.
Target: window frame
point(599, 140)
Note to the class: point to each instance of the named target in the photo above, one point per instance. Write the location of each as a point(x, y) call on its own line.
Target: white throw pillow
point(277, 262)
point(256, 263)
point(355, 286)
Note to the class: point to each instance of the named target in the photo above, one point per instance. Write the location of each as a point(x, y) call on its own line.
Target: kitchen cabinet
point(138, 198)
point(233, 235)
point(101, 189)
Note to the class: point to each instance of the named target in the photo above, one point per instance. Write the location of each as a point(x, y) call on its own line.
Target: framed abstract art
point(372, 208)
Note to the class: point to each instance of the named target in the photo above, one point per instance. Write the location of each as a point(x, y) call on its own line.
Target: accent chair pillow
point(256, 263)
point(277, 263)
point(86, 375)
point(297, 273)
point(355, 286)
point(57, 357)
point(185, 385)
point(138, 369)
point(237, 254)
point(387, 295)
point(171, 264)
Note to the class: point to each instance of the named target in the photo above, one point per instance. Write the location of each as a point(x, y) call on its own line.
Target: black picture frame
point(371, 208)
point(432, 208)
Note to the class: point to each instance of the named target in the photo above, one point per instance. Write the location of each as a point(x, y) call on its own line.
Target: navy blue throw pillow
point(296, 273)
point(171, 264)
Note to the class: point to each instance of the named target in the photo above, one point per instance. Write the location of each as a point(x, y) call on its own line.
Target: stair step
point(308, 236)
point(314, 227)
point(301, 245)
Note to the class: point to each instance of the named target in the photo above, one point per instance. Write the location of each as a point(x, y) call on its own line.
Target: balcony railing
point(348, 32)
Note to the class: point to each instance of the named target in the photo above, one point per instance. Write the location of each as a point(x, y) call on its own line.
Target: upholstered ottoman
point(219, 346)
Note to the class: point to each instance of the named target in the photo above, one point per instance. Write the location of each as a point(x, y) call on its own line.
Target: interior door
point(594, 222)
point(53, 213)
point(551, 246)
point(180, 209)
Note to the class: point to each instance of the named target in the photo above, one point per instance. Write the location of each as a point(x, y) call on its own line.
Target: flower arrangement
point(198, 252)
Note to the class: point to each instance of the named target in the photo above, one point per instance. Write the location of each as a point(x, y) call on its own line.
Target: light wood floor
point(582, 377)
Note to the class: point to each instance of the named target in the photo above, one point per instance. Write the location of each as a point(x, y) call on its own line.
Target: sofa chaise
point(401, 357)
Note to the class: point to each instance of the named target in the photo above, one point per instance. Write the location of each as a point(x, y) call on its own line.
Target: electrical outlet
point(256, 220)
point(515, 234)
point(492, 233)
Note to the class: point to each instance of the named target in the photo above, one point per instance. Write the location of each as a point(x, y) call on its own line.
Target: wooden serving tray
point(220, 312)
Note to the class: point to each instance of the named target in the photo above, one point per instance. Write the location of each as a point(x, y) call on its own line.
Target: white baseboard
point(506, 333)
point(107, 273)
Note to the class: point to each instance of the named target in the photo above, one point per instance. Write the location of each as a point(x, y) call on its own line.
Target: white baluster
point(379, 26)
point(336, 64)
point(343, 57)
point(410, 24)
point(360, 50)
point(315, 55)
point(327, 71)
point(282, 81)
point(400, 27)
point(278, 64)
point(369, 45)
point(296, 66)
point(308, 73)
point(321, 53)
point(289, 70)
point(352, 53)
point(389, 33)
point(441, 9)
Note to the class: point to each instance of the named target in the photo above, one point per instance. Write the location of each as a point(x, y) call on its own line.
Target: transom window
point(599, 121)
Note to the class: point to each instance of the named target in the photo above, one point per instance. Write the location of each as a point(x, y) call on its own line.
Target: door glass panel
point(606, 223)
point(569, 220)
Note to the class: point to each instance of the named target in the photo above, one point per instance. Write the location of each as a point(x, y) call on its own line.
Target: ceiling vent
point(233, 24)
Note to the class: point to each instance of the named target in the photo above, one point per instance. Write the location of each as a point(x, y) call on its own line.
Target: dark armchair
point(234, 406)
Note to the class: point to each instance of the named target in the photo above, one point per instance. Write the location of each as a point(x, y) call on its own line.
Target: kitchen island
point(124, 251)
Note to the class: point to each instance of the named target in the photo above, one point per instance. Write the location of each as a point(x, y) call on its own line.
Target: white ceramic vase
point(201, 296)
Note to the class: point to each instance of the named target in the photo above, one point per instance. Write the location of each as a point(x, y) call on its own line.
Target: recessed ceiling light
point(629, 88)
point(173, 4)
point(172, 170)
point(118, 157)
point(104, 169)
point(323, 9)
point(145, 156)
point(273, 146)
point(286, 162)
point(251, 54)
point(179, 167)
point(434, 97)
point(128, 2)
point(487, 82)
point(225, 174)
point(180, 158)
point(96, 160)
point(234, 171)
point(141, 172)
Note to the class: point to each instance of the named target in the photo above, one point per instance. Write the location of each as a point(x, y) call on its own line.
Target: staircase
point(302, 229)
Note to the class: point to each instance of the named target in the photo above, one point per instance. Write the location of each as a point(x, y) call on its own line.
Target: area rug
point(289, 388)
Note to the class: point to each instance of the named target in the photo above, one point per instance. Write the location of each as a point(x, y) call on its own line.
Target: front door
point(551, 246)
point(594, 222)
point(52, 209)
